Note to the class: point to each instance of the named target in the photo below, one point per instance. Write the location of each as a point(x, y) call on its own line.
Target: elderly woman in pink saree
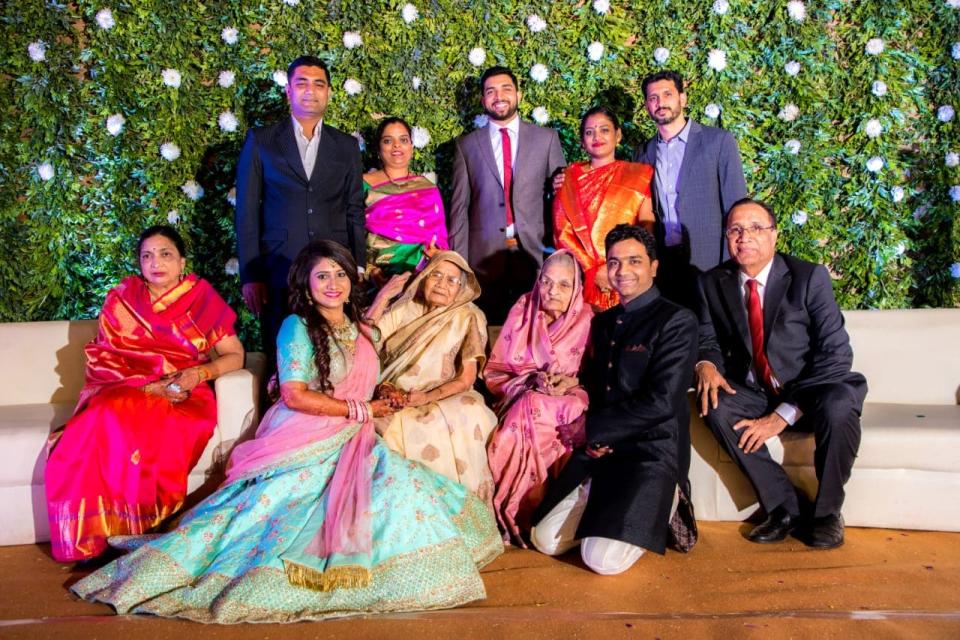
point(533, 374)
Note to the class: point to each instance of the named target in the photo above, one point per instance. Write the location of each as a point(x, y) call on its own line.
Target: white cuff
point(789, 412)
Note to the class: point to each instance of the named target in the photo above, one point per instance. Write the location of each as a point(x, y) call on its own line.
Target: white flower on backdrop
point(945, 113)
point(280, 77)
point(712, 111)
point(227, 121)
point(792, 146)
point(789, 113)
point(173, 216)
point(720, 7)
point(232, 196)
point(115, 124)
point(799, 217)
point(352, 39)
point(232, 267)
point(291, 3)
point(105, 19)
point(896, 193)
point(37, 51)
point(226, 79)
point(192, 189)
point(595, 51)
point(953, 4)
point(171, 78)
point(661, 54)
point(878, 88)
point(360, 141)
point(535, 23)
point(792, 68)
point(601, 6)
point(415, 82)
point(539, 72)
point(717, 59)
point(409, 13)
point(541, 115)
point(796, 10)
point(352, 86)
point(170, 151)
point(952, 159)
point(955, 270)
point(901, 247)
point(45, 171)
point(481, 120)
point(874, 46)
point(477, 56)
point(955, 51)
point(420, 137)
point(229, 35)
point(875, 164)
point(873, 128)
point(955, 193)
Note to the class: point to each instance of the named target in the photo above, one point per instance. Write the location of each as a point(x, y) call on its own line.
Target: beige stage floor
point(881, 584)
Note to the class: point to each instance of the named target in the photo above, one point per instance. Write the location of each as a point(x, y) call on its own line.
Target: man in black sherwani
point(616, 495)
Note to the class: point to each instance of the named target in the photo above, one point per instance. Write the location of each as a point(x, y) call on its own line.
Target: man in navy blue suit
point(698, 175)
point(297, 180)
point(773, 355)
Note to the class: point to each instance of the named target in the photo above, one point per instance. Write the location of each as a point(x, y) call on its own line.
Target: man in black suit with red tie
point(297, 180)
point(774, 355)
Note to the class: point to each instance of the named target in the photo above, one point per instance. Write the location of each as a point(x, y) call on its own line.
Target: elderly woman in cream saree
point(432, 345)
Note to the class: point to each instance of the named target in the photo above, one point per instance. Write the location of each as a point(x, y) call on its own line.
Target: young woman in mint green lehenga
point(317, 518)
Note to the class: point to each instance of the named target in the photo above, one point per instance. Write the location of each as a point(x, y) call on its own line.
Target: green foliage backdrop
point(813, 91)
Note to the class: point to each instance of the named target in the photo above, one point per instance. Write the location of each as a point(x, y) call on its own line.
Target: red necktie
point(507, 177)
point(755, 318)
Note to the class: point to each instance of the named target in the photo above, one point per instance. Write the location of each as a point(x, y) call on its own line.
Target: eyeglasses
point(437, 277)
point(736, 231)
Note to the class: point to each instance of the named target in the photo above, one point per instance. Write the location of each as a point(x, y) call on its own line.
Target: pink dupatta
point(333, 550)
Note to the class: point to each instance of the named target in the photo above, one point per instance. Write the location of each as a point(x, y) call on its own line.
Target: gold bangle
point(203, 373)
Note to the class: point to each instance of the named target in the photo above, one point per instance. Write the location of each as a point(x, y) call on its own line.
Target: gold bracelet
point(202, 373)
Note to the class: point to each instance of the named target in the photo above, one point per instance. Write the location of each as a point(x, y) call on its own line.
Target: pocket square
point(635, 348)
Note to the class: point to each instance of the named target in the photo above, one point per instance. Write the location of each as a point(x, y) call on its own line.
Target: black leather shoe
point(827, 532)
point(776, 527)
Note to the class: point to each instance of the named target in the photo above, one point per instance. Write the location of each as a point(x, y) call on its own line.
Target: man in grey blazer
point(698, 176)
point(297, 180)
point(497, 211)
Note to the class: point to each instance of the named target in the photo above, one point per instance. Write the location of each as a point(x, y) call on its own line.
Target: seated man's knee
point(609, 557)
point(835, 404)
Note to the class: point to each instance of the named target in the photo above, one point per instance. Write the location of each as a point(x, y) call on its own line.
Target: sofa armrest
point(238, 402)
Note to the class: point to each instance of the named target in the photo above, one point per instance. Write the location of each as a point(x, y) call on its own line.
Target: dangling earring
point(182, 276)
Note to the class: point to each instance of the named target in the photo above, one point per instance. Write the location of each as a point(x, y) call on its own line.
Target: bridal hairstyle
point(302, 303)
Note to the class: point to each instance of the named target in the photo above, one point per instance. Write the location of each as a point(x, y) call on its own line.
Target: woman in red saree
point(147, 411)
point(596, 196)
point(532, 372)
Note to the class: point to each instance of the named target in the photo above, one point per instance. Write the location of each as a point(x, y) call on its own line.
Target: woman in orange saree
point(147, 411)
point(596, 196)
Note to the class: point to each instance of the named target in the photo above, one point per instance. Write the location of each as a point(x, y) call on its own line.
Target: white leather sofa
point(41, 374)
point(907, 473)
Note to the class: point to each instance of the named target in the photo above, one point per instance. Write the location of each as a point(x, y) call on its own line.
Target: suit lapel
point(777, 284)
point(486, 150)
point(690, 152)
point(733, 298)
point(524, 151)
point(288, 148)
point(325, 151)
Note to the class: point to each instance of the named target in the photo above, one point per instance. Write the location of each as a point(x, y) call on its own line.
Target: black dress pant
point(830, 411)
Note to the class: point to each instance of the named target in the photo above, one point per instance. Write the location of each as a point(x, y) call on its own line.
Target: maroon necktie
point(755, 318)
point(507, 178)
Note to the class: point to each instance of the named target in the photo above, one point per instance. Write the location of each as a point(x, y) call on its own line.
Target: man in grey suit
point(501, 177)
point(297, 180)
point(698, 176)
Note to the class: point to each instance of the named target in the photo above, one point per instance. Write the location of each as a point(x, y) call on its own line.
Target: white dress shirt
point(307, 148)
point(513, 130)
point(789, 412)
